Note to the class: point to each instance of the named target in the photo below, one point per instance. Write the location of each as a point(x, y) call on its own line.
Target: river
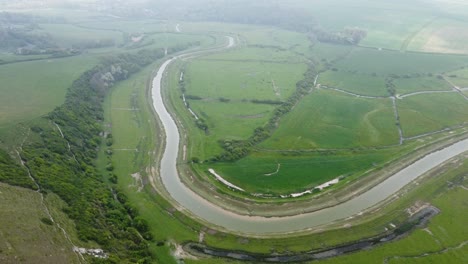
point(263, 225)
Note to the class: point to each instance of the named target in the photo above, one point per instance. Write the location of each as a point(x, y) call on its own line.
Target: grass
point(410, 85)
point(444, 35)
point(257, 54)
point(242, 80)
point(68, 35)
point(355, 83)
point(385, 63)
point(459, 77)
point(24, 236)
point(430, 112)
point(298, 171)
point(233, 120)
point(328, 119)
point(32, 89)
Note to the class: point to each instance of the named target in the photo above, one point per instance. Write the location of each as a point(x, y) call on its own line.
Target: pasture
point(242, 80)
point(387, 63)
point(417, 84)
point(329, 119)
point(32, 89)
point(442, 35)
point(431, 112)
point(356, 83)
point(298, 171)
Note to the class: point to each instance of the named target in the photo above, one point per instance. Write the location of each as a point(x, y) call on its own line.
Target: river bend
point(263, 225)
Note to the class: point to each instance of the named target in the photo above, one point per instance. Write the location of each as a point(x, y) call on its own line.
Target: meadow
point(32, 89)
point(416, 84)
point(431, 112)
point(355, 83)
point(328, 119)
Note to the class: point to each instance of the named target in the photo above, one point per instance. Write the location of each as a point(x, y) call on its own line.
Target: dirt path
point(276, 172)
point(353, 94)
point(421, 92)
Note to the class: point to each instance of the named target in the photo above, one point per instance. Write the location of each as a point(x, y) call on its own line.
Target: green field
point(355, 83)
point(410, 85)
point(443, 35)
point(430, 112)
point(298, 171)
point(33, 89)
point(67, 35)
point(242, 80)
point(328, 119)
point(385, 63)
point(459, 77)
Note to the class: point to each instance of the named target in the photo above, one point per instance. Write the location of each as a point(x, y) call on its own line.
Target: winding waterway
point(263, 225)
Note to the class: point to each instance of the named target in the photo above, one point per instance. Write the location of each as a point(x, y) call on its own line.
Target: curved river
point(262, 225)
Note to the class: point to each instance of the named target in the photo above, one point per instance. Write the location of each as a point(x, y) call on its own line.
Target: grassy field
point(24, 237)
point(443, 35)
point(430, 112)
point(355, 83)
point(329, 119)
point(242, 80)
point(298, 171)
point(410, 85)
point(385, 63)
point(68, 35)
point(32, 89)
point(459, 77)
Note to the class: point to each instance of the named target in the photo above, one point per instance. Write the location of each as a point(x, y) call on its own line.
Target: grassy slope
point(24, 236)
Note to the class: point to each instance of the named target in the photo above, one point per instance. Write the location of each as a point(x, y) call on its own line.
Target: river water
point(262, 225)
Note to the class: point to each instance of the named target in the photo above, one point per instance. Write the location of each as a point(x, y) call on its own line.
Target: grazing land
point(32, 89)
point(432, 112)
